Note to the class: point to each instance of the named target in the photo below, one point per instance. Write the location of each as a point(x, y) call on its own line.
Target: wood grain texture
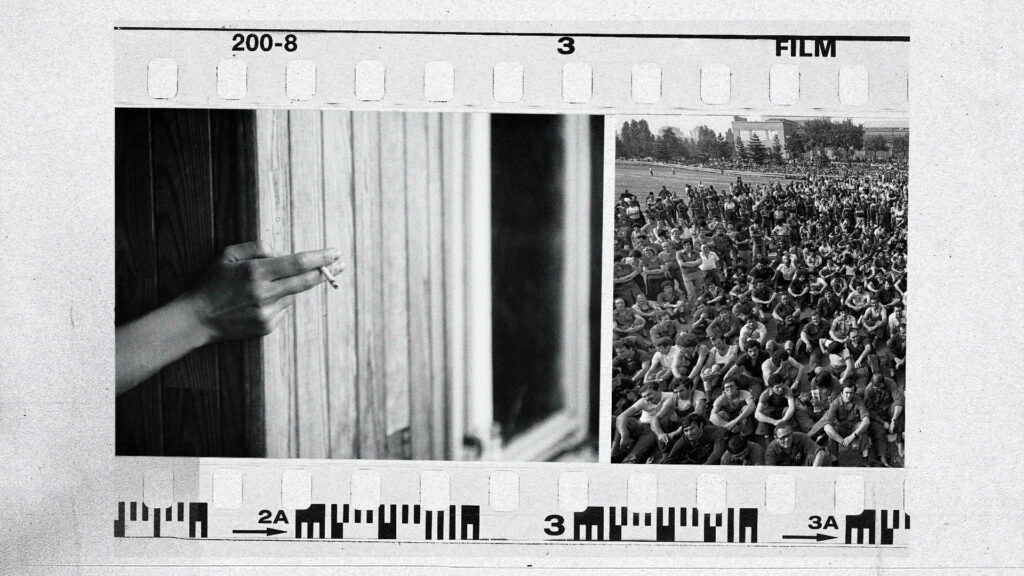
point(233, 164)
point(138, 414)
point(395, 284)
point(453, 167)
point(184, 240)
point(439, 354)
point(339, 232)
point(417, 187)
point(369, 284)
point(275, 233)
point(308, 234)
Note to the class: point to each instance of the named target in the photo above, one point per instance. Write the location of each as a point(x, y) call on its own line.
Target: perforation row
point(508, 82)
point(503, 490)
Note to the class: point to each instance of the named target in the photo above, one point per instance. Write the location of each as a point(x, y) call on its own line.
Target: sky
point(719, 122)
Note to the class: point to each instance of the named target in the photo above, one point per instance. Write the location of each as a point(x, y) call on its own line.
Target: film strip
point(516, 506)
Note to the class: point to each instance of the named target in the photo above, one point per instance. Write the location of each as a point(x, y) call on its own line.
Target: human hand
point(246, 289)
point(663, 438)
point(848, 440)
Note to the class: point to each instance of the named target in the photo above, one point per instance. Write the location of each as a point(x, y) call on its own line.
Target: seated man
point(667, 424)
point(777, 405)
point(839, 362)
point(792, 372)
point(787, 317)
point(661, 364)
point(873, 321)
point(725, 325)
point(842, 325)
point(810, 339)
point(747, 369)
point(630, 361)
point(864, 362)
point(793, 449)
point(824, 389)
point(634, 440)
point(740, 452)
point(732, 410)
point(753, 330)
point(885, 403)
point(847, 419)
point(697, 444)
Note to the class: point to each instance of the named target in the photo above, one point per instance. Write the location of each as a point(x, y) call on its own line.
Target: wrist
point(198, 330)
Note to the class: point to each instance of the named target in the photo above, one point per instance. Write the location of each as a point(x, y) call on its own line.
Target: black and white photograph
point(357, 285)
point(760, 291)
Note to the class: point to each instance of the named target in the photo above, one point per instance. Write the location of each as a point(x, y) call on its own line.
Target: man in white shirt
point(635, 441)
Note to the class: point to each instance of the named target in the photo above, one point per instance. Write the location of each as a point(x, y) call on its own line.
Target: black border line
point(525, 34)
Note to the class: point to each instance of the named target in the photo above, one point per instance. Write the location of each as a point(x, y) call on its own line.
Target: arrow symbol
point(264, 531)
point(819, 537)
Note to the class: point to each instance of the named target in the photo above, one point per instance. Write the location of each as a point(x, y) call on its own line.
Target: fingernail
point(334, 253)
point(337, 267)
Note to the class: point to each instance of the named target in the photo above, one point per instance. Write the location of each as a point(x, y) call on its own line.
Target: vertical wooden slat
point(341, 305)
point(308, 234)
point(233, 137)
point(138, 420)
point(395, 276)
point(417, 189)
point(184, 236)
point(275, 233)
point(369, 297)
point(453, 161)
point(439, 413)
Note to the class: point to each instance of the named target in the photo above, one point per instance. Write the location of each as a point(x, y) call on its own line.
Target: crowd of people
point(763, 324)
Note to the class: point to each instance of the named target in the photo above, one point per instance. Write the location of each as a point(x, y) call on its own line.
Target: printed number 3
point(567, 45)
point(557, 527)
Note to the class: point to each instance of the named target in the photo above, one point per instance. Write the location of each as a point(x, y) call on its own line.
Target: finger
point(296, 284)
point(296, 264)
point(246, 251)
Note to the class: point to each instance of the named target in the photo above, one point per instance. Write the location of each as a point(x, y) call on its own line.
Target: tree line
point(636, 141)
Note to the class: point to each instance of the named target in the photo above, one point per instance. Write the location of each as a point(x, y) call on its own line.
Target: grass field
point(636, 177)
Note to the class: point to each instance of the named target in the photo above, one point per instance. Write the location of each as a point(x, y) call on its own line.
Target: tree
point(795, 144)
point(874, 144)
point(707, 143)
point(848, 137)
point(901, 146)
point(724, 148)
point(645, 140)
point(776, 149)
point(667, 145)
point(757, 151)
point(819, 134)
point(628, 145)
point(741, 150)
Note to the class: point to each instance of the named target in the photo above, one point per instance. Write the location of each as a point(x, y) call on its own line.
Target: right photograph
point(760, 291)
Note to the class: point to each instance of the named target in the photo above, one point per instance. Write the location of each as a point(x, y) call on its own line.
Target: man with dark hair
point(634, 440)
point(847, 419)
point(793, 449)
point(776, 405)
point(810, 338)
point(698, 443)
point(732, 410)
point(740, 452)
point(885, 402)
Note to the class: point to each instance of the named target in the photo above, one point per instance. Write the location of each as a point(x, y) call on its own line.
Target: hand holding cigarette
point(242, 294)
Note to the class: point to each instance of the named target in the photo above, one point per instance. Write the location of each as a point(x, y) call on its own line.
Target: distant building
point(890, 131)
point(767, 130)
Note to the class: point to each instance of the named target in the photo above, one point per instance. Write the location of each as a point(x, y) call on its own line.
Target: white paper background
point(57, 267)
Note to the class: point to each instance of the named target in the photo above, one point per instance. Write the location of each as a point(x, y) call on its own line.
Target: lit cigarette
point(330, 277)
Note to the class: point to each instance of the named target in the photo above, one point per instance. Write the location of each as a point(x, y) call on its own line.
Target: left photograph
point(357, 285)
